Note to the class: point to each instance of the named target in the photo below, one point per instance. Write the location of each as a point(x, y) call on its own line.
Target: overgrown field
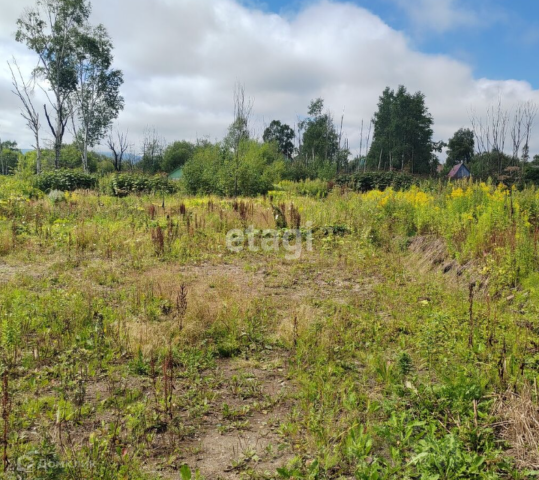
point(403, 344)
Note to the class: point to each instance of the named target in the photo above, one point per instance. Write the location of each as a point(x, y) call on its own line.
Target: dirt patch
point(240, 433)
point(290, 281)
point(9, 272)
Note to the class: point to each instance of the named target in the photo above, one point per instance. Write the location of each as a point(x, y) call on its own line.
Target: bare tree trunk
point(367, 149)
point(38, 156)
point(118, 147)
point(58, 134)
point(23, 90)
point(85, 151)
point(242, 114)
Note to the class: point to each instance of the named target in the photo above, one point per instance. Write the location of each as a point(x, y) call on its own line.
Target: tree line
point(75, 63)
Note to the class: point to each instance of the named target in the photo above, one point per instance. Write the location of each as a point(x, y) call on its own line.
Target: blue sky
point(499, 39)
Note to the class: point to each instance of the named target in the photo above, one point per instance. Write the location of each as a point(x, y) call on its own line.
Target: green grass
point(359, 360)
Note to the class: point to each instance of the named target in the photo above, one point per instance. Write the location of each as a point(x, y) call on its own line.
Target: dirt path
point(241, 434)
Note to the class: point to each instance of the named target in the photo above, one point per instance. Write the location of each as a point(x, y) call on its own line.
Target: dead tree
point(118, 145)
point(529, 114)
point(371, 122)
point(24, 90)
point(153, 146)
point(491, 132)
point(239, 130)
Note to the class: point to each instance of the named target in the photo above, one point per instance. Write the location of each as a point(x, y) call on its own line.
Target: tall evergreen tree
point(402, 133)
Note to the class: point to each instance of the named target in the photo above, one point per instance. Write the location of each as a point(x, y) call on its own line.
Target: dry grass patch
point(519, 427)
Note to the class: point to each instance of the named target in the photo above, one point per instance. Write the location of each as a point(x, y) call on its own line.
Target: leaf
point(419, 457)
point(185, 472)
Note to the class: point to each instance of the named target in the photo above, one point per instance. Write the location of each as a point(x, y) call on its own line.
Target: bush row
point(119, 184)
point(65, 180)
point(365, 182)
point(124, 184)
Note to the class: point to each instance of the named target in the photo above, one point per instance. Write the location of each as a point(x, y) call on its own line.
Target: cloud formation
point(181, 60)
point(440, 15)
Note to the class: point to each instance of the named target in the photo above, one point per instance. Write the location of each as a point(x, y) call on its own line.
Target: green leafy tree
point(402, 133)
point(531, 171)
point(51, 29)
point(200, 173)
point(282, 135)
point(176, 155)
point(460, 147)
point(238, 132)
point(320, 142)
point(97, 98)
point(70, 158)
point(9, 157)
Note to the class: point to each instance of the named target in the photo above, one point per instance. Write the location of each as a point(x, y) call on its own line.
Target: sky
point(182, 58)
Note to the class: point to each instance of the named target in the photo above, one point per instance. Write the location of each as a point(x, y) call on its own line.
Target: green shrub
point(15, 187)
point(309, 188)
point(215, 170)
point(365, 182)
point(64, 180)
point(124, 184)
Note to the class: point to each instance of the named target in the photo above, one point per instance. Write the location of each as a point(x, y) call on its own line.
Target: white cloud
point(439, 15)
point(181, 59)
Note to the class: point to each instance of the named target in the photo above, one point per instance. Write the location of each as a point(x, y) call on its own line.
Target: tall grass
point(109, 325)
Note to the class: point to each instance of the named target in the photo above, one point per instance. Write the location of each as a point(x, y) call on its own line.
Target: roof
point(454, 173)
point(176, 174)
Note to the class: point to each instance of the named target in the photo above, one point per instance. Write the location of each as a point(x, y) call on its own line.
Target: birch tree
point(96, 100)
point(50, 29)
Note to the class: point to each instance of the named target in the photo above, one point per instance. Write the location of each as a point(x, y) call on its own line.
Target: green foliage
point(124, 184)
point(301, 169)
point(320, 142)
point(311, 188)
point(283, 135)
point(176, 155)
point(9, 156)
point(359, 362)
point(70, 158)
point(153, 148)
point(97, 94)
point(405, 364)
point(15, 187)
point(460, 147)
point(489, 165)
point(215, 170)
point(50, 30)
point(64, 180)
point(402, 133)
point(448, 459)
point(364, 182)
point(531, 174)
